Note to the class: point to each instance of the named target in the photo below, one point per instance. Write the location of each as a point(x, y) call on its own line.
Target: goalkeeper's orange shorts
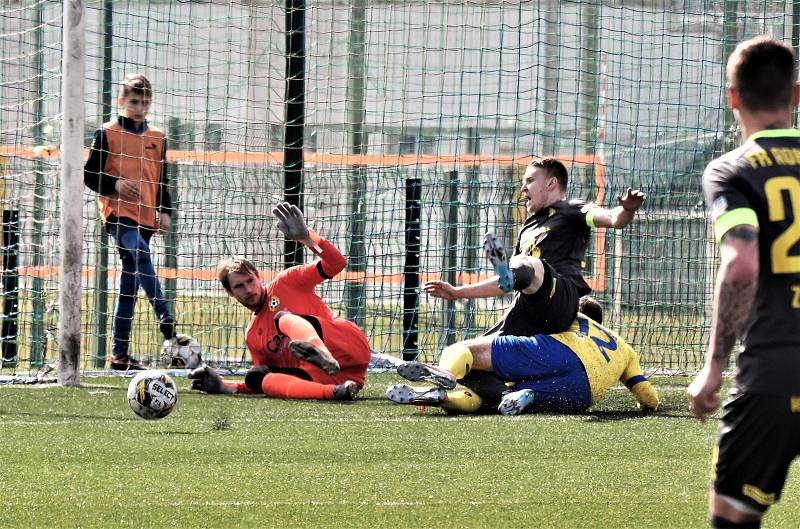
point(348, 345)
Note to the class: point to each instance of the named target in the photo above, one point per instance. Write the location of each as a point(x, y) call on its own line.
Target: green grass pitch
point(79, 457)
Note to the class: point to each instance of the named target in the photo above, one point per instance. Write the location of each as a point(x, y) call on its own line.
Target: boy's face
point(135, 107)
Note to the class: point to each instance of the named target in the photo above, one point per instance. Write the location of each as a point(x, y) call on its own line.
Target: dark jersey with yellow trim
point(559, 234)
point(759, 184)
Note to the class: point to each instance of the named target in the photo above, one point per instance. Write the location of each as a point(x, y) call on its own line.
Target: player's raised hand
point(207, 380)
point(631, 200)
point(291, 221)
point(702, 392)
point(440, 289)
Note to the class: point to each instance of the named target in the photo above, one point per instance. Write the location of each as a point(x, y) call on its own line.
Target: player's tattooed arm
point(735, 291)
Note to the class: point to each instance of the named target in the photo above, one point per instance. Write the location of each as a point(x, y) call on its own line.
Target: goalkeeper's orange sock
point(283, 386)
point(298, 328)
point(457, 359)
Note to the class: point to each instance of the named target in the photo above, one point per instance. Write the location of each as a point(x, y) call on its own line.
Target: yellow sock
point(462, 400)
point(457, 359)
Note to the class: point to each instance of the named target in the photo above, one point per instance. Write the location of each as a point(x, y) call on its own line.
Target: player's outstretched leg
point(308, 352)
point(416, 371)
point(496, 253)
point(516, 402)
point(405, 394)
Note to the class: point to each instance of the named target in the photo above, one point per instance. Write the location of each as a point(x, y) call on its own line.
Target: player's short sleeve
point(727, 202)
point(583, 212)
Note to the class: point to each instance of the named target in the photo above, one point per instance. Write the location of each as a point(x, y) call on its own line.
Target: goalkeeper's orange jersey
point(293, 290)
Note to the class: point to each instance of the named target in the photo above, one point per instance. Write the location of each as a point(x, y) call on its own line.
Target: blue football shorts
point(545, 365)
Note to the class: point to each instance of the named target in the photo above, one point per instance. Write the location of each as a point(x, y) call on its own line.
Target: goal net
point(419, 119)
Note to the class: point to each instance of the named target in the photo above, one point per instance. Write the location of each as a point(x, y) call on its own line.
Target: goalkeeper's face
point(247, 289)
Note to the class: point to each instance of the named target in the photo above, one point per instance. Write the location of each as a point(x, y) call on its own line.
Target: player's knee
point(523, 273)
point(254, 377)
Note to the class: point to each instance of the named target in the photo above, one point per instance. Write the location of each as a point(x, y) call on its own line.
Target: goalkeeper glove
point(209, 381)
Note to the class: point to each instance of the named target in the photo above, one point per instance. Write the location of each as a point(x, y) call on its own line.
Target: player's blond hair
point(135, 83)
point(234, 264)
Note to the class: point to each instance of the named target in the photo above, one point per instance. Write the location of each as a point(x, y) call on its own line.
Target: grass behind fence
point(219, 323)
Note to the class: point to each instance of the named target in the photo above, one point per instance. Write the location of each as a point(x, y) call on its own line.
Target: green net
point(412, 108)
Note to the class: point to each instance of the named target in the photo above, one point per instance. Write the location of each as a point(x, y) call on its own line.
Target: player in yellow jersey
point(568, 371)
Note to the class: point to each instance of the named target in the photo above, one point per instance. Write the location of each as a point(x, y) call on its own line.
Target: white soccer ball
point(152, 394)
point(182, 352)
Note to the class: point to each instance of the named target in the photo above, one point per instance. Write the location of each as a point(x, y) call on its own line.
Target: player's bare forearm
point(735, 291)
point(734, 294)
point(621, 217)
point(732, 303)
point(487, 288)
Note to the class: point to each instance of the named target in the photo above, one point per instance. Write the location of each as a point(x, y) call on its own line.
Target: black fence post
point(411, 268)
point(295, 118)
point(8, 340)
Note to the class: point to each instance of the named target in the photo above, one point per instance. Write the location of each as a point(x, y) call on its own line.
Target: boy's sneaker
point(345, 391)
point(496, 253)
point(125, 363)
point(515, 402)
point(166, 324)
point(308, 352)
point(416, 371)
point(405, 394)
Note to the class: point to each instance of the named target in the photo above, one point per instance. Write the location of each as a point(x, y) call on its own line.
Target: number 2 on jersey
point(782, 262)
point(609, 344)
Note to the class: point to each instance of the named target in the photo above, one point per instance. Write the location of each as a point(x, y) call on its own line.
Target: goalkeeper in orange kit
point(300, 350)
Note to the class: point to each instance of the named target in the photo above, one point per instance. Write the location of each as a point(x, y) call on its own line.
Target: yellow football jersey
point(607, 358)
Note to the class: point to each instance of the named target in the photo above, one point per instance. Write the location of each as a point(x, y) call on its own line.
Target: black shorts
point(550, 310)
point(757, 439)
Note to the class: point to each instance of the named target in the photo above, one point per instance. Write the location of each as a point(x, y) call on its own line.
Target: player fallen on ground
point(545, 271)
point(563, 372)
point(753, 196)
point(299, 349)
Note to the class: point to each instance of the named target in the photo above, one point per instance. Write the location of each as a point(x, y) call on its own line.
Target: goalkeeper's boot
point(516, 402)
point(125, 363)
point(345, 391)
point(405, 394)
point(496, 253)
point(312, 354)
point(416, 371)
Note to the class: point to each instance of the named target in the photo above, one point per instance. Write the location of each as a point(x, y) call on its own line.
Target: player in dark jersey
point(545, 270)
point(549, 254)
point(563, 372)
point(299, 348)
point(753, 195)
